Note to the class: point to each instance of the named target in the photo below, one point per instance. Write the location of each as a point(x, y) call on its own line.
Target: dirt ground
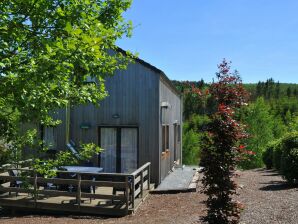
point(266, 196)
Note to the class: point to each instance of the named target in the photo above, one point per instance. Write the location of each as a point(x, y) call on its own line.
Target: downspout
point(69, 144)
point(67, 123)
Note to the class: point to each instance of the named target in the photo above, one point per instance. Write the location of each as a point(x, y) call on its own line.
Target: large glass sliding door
point(108, 141)
point(129, 149)
point(120, 146)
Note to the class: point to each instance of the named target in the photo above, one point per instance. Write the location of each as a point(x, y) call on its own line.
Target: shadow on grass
point(277, 186)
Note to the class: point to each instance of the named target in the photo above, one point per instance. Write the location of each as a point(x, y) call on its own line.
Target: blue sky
point(187, 39)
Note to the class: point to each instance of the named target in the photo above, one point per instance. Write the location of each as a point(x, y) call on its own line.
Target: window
point(177, 141)
point(178, 133)
point(90, 79)
point(165, 112)
point(165, 137)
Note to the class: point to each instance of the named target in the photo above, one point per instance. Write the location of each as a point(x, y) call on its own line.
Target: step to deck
point(181, 179)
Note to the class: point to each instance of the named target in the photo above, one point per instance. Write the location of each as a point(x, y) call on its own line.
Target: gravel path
point(267, 199)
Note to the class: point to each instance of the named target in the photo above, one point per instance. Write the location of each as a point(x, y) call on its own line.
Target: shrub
point(191, 148)
point(289, 157)
point(277, 152)
point(251, 161)
point(192, 135)
point(4, 152)
point(267, 155)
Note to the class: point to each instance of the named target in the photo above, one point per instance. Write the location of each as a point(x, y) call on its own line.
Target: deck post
point(35, 189)
point(127, 193)
point(79, 190)
point(148, 177)
point(133, 192)
point(142, 183)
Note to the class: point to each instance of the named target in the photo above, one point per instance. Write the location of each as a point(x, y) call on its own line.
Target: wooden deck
point(115, 194)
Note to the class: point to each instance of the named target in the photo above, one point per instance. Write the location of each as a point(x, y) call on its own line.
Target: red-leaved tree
point(221, 149)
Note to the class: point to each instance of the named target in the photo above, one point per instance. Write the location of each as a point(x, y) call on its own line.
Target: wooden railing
point(20, 163)
point(132, 185)
point(140, 181)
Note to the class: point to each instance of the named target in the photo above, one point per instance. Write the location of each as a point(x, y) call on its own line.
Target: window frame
point(165, 137)
point(118, 143)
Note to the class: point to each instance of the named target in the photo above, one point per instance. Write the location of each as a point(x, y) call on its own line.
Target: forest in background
point(272, 112)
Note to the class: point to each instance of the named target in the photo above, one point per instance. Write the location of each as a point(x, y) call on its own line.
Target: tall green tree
point(192, 137)
point(48, 50)
point(260, 127)
point(293, 125)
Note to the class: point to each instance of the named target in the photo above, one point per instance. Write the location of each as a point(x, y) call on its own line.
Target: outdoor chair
point(46, 186)
point(71, 188)
point(88, 189)
point(18, 183)
point(66, 187)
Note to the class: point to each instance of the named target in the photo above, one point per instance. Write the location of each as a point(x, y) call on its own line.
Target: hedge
point(268, 156)
point(289, 157)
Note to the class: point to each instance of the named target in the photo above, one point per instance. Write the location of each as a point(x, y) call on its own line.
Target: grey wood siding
point(60, 131)
point(134, 96)
point(172, 116)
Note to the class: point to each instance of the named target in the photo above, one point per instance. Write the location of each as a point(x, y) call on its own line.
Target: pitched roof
point(155, 69)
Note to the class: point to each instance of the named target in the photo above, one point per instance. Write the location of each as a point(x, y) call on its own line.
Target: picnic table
point(82, 169)
point(74, 170)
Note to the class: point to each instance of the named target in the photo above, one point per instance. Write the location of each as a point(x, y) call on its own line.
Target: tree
point(260, 128)
point(295, 92)
point(221, 148)
point(288, 117)
point(294, 124)
point(289, 91)
point(48, 50)
point(192, 135)
point(277, 90)
point(191, 148)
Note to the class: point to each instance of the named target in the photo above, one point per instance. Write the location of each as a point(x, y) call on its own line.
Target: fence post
point(79, 190)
